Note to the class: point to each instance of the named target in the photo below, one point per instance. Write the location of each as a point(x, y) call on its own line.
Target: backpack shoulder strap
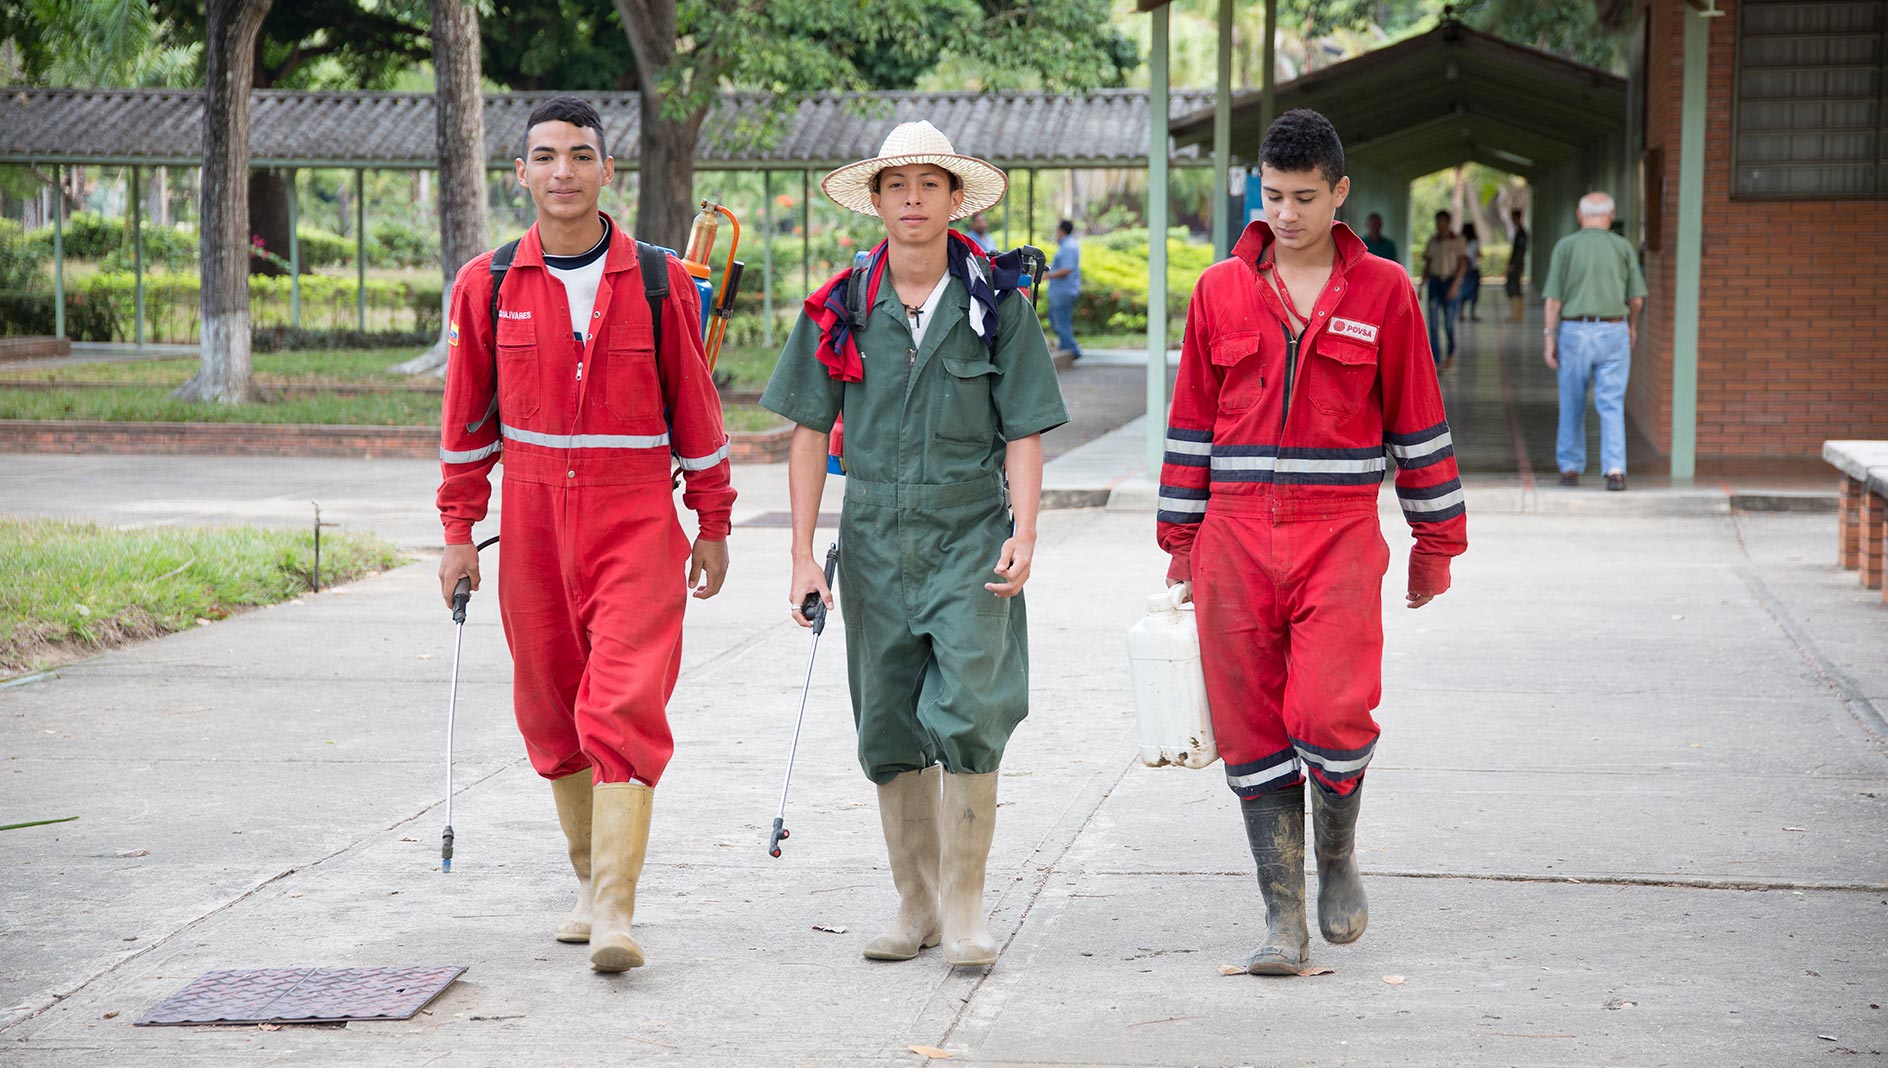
point(856, 310)
point(654, 262)
point(501, 263)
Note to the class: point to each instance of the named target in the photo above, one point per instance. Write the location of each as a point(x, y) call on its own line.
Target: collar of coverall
point(621, 257)
point(1257, 238)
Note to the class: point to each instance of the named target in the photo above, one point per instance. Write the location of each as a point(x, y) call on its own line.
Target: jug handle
point(1179, 594)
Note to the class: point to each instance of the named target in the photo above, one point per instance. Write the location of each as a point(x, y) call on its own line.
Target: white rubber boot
point(572, 794)
point(967, 823)
point(907, 810)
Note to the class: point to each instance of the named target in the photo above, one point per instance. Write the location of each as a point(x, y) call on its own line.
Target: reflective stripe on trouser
point(938, 665)
point(591, 587)
point(1291, 631)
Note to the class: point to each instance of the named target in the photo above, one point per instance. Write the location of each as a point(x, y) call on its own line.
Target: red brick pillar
point(1849, 523)
point(1874, 518)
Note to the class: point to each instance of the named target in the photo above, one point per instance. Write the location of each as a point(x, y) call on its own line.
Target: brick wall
point(1794, 294)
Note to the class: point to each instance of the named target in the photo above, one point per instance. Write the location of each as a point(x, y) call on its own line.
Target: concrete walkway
point(1628, 809)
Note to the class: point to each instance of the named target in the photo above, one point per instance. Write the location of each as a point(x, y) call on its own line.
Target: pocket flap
point(970, 366)
point(1229, 349)
point(633, 336)
point(516, 332)
point(1347, 350)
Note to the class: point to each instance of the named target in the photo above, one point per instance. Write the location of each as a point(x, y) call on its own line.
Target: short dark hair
point(1374, 215)
point(1468, 232)
point(1303, 140)
point(1065, 227)
point(574, 110)
point(956, 182)
point(1444, 214)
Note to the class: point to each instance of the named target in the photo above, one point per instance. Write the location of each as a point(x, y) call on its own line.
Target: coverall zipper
point(1291, 374)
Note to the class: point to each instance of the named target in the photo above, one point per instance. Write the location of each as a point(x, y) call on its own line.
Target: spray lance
point(461, 596)
point(814, 609)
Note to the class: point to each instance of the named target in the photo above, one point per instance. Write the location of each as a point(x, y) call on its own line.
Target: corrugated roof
point(1440, 98)
point(1104, 128)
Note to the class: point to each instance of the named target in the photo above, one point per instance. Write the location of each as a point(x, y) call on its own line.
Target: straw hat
point(916, 142)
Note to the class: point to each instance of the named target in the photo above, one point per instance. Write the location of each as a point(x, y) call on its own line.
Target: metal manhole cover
point(303, 995)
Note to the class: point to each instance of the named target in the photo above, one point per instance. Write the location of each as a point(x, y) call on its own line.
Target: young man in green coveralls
point(944, 397)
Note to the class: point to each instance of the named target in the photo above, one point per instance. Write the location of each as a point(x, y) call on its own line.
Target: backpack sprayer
point(701, 249)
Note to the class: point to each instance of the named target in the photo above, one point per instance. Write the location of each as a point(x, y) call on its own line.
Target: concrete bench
point(1863, 526)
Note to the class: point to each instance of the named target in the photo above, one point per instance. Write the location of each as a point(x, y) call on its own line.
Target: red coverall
point(1273, 464)
point(592, 581)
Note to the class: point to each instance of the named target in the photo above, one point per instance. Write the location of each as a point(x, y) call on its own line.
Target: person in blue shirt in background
point(1065, 284)
point(980, 233)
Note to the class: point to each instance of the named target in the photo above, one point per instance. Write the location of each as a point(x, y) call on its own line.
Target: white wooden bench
point(1863, 527)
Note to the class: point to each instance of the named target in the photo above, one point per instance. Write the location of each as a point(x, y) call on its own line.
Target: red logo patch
point(1354, 329)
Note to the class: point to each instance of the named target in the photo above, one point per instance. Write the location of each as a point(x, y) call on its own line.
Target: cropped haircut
point(1303, 140)
point(574, 110)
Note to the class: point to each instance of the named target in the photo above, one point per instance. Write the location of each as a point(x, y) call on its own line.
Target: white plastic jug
point(1169, 685)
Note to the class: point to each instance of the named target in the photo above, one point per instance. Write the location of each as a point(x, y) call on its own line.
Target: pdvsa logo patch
point(1354, 329)
point(452, 334)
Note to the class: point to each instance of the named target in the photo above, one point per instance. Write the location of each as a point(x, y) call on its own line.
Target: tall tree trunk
point(268, 218)
point(665, 199)
point(459, 128)
point(230, 54)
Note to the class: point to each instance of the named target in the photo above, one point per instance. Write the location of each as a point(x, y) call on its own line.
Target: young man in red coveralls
point(590, 413)
point(1304, 364)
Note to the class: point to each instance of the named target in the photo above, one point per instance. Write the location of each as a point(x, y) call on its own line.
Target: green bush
point(175, 249)
point(397, 244)
point(289, 339)
point(1114, 280)
point(103, 307)
point(90, 236)
point(22, 260)
point(319, 248)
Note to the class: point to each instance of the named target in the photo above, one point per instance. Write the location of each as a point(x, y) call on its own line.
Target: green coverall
point(938, 665)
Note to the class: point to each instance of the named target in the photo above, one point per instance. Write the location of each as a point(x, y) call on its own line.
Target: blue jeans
point(1597, 355)
point(1062, 319)
point(1442, 311)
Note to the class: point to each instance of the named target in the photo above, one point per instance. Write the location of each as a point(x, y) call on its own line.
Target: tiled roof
point(1102, 128)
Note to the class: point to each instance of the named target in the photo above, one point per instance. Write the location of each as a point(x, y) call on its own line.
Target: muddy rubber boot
point(907, 810)
point(619, 841)
point(966, 824)
point(1275, 828)
point(572, 794)
point(1342, 911)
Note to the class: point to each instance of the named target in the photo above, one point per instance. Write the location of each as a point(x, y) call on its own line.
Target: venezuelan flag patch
point(452, 334)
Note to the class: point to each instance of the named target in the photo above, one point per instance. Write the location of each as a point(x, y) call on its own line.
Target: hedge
point(103, 307)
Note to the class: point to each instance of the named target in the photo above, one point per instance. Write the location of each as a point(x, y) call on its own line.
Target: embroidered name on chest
point(506, 313)
point(1353, 328)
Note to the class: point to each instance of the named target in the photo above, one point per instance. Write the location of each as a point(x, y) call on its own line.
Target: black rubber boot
point(1342, 911)
point(1275, 828)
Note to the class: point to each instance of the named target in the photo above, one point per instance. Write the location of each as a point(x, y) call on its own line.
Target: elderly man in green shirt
point(1595, 292)
point(937, 363)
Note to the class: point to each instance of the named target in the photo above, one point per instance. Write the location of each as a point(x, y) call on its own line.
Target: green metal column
point(1029, 212)
point(137, 257)
point(360, 248)
point(58, 250)
point(1222, 138)
point(767, 256)
point(1690, 260)
point(295, 252)
point(806, 232)
point(1157, 246)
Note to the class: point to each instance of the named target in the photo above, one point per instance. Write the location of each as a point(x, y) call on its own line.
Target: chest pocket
point(965, 411)
point(1243, 379)
point(520, 378)
point(631, 388)
point(1341, 376)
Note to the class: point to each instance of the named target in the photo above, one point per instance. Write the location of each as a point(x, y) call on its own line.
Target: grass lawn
point(749, 417)
point(74, 588)
point(153, 404)
point(750, 365)
point(321, 367)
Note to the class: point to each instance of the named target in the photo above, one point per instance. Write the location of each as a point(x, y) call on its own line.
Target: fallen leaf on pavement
point(1827, 1038)
point(931, 1051)
point(426, 656)
point(111, 1014)
point(1394, 980)
point(129, 853)
point(830, 929)
point(1231, 969)
point(1796, 828)
point(1313, 969)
